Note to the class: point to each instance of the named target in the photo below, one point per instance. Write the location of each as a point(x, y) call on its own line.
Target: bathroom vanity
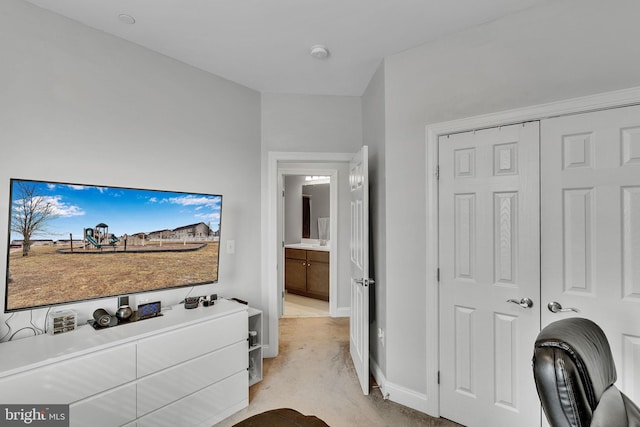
point(306, 270)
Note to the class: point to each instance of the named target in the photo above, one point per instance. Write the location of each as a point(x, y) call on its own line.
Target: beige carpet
point(314, 375)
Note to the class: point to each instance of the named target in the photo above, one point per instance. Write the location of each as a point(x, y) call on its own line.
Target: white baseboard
point(343, 312)
point(267, 353)
point(397, 393)
point(407, 397)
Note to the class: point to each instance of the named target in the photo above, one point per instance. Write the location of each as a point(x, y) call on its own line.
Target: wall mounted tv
point(74, 242)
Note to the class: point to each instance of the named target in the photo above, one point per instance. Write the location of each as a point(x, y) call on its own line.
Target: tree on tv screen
point(30, 213)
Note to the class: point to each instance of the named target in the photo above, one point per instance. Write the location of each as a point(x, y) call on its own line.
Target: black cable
point(22, 329)
point(6, 322)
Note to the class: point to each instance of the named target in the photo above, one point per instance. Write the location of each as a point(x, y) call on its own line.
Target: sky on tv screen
point(124, 210)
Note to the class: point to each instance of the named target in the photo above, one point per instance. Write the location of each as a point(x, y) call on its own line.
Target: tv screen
point(74, 242)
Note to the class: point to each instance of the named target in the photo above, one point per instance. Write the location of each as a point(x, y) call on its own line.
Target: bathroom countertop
point(309, 246)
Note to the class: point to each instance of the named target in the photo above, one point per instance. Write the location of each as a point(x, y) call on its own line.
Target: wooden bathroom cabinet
point(306, 273)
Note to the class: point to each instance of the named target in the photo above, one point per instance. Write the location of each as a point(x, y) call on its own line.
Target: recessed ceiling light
point(127, 19)
point(319, 51)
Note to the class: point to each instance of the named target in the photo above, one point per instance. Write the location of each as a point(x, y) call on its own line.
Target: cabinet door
point(318, 279)
point(295, 274)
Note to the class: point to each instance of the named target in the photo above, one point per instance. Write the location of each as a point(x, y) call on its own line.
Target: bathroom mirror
point(315, 211)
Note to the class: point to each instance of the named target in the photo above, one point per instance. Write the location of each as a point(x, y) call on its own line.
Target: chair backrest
point(572, 366)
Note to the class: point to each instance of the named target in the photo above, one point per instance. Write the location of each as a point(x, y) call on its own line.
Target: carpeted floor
point(314, 375)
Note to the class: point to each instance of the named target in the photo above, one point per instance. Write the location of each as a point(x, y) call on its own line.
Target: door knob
point(524, 302)
point(556, 307)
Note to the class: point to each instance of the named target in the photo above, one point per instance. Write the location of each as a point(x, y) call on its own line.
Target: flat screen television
point(75, 242)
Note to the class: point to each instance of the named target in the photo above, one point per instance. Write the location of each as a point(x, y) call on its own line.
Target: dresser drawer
point(112, 408)
point(212, 404)
point(158, 390)
point(172, 348)
point(73, 379)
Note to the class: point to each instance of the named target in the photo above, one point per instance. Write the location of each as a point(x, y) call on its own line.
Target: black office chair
point(574, 374)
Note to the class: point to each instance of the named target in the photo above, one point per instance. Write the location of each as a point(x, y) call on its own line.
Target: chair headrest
point(587, 346)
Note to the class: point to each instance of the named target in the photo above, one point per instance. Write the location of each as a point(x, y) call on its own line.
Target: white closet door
point(590, 183)
point(489, 254)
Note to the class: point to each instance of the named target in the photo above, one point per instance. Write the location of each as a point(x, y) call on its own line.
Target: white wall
point(560, 50)
point(329, 124)
point(70, 94)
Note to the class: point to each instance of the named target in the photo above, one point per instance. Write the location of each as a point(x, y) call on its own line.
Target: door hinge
point(438, 274)
point(283, 243)
point(438, 377)
point(282, 193)
point(438, 172)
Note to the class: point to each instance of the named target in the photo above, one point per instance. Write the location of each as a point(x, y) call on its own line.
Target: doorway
point(306, 223)
point(279, 163)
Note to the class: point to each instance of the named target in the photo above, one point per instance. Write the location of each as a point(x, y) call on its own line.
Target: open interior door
point(359, 255)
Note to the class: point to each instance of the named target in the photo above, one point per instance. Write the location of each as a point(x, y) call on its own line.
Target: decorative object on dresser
point(61, 321)
point(102, 319)
point(148, 310)
point(124, 312)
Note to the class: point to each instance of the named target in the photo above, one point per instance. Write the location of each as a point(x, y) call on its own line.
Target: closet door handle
point(524, 302)
point(556, 307)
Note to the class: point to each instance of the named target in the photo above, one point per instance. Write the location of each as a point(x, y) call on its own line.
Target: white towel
point(323, 228)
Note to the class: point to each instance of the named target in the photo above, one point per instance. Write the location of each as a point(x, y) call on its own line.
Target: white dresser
point(185, 368)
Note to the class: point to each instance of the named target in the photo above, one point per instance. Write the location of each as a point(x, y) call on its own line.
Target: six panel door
point(590, 183)
point(489, 275)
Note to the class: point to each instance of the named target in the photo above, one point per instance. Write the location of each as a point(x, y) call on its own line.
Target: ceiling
point(265, 44)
